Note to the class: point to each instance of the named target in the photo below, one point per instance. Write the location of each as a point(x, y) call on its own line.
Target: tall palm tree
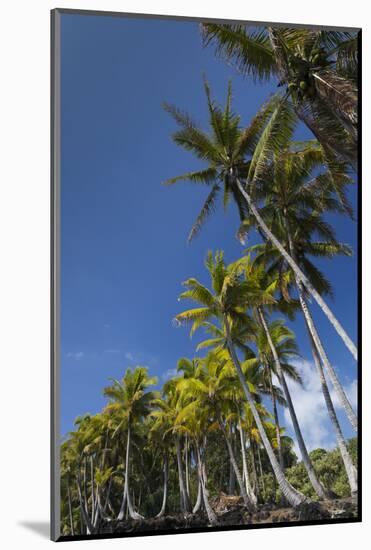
point(295, 210)
point(256, 277)
point(225, 150)
point(317, 68)
point(131, 398)
point(227, 302)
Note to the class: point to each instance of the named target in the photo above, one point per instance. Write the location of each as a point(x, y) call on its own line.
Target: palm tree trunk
point(318, 344)
point(294, 497)
point(166, 477)
point(84, 511)
point(232, 480)
point(248, 503)
point(126, 496)
point(205, 493)
point(248, 487)
point(255, 481)
point(70, 508)
point(198, 503)
point(261, 471)
point(350, 469)
point(186, 464)
point(317, 485)
point(298, 272)
point(276, 420)
point(184, 498)
point(92, 489)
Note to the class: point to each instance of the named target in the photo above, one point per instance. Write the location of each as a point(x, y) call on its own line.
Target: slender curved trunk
point(166, 477)
point(184, 498)
point(294, 497)
point(255, 480)
point(261, 470)
point(318, 344)
point(126, 499)
point(205, 493)
point(276, 420)
point(317, 485)
point(84, 511)
point(186, 464)
point(350, 469)
point(85, 483)
point(232, 480)
point(249, 491)
point(70, 508)
point(198, 503)
point(298, 272)
point(247, 501)
point(92, 489)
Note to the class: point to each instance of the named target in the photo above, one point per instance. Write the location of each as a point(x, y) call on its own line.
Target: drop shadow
point(41, 528)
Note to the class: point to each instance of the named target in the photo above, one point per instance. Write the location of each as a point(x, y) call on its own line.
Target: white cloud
point(77, 355)
point(169, 374)
point(112, 350)
point(129, 356)
point(311, 409)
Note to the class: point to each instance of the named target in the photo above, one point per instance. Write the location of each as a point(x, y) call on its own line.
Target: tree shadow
point(41, 528)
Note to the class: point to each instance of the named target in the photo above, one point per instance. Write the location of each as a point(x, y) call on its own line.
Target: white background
point(24, 272)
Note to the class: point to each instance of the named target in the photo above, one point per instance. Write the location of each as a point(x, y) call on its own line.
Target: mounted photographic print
point(205, 224)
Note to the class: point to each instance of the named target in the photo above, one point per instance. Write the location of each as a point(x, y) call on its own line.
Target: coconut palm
point(227, 301)
point(285, 345)
point(295, 210)
point(131, 399)
point(213, 389)
point(225, 150)
point(160, 436)
point(169, 409)
point(317, 68)
point(195, 422)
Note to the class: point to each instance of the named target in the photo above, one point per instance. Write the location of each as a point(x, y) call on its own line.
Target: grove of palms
point(217, 427)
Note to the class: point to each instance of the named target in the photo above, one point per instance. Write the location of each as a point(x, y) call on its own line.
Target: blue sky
point(123, 240)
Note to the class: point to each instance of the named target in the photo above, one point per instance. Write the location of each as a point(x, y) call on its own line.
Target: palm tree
point(269, 285)
point(188, 368)
point(225, 151)
point(160, 435)
point(195, 421)
point(213, 389)
point(283, 341)
point(294, 209)
point(227, 302)
point(168, 410)
point(317, 68)
point(130, 398)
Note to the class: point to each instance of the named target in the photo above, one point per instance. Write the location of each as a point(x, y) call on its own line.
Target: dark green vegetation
point(215, 428)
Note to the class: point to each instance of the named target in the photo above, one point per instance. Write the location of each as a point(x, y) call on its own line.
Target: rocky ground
point(231, 512)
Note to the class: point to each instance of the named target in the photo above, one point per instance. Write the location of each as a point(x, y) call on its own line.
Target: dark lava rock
point(309, 511)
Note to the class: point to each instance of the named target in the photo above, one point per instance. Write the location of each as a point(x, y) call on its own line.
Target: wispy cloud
point(129, 356)
point(112, 350)
point(76, 355)
point(311, 409)
point(169, 373)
